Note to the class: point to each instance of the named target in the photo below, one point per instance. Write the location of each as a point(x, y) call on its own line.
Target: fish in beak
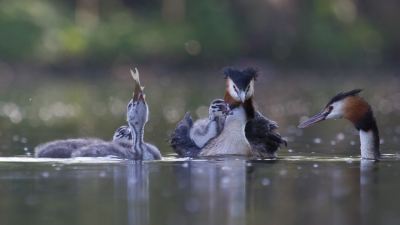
point(315, 119)
point(138, 93)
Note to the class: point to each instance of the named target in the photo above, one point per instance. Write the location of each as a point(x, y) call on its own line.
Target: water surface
point(317, 179)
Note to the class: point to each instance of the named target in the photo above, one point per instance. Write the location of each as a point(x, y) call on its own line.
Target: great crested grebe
point(245, 130)
point(127, 142)
point(351, 106)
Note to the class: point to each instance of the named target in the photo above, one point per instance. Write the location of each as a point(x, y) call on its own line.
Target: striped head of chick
point(137, 109)
point(219, 108)
point(123, 133)
point(239, 84)
point(347, 105)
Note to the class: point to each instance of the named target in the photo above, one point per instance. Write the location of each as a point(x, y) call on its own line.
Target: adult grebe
point(351, 106)
point(245, 130)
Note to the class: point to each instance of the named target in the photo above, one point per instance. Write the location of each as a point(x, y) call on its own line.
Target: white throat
point(368, 151)
point(232, 139)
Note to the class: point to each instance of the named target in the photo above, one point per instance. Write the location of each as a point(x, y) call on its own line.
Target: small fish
point(138, 87)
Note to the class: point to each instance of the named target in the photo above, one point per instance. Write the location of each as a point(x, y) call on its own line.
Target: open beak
point(242, 96)
point(226, 110)
point(315, 119)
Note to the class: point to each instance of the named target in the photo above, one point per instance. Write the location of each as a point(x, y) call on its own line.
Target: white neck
point(368, 149)
point(232, 139)
point(239, 117)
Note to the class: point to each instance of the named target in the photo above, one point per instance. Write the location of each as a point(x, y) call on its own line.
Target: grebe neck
point(369, 136)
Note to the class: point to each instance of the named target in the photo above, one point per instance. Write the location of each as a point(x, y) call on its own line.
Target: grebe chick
point(190, 137)
point(137, 114)
point(127, 141)
point(351, 106)
point(205, 129)
point(133, 149)
point(124, 132)
point(64, 148)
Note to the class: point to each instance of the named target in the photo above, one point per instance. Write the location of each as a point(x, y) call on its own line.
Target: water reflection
point(369, 195)
point(138, 194)
point(227, 190)
point(212, 192)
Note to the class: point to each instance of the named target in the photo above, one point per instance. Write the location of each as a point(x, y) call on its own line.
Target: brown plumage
point(354, 108)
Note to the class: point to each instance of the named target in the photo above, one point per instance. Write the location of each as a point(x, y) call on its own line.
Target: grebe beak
point(242, 96)
point(315, 119)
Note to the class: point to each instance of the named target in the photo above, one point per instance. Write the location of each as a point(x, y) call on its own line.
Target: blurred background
point(64, 65)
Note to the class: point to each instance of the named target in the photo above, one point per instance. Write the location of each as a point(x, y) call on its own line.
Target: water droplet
point(317, 140)
point(16, 138)
point(265, 181)
point(352, 142)
point(315, 165)
point(283, 172)
point(333, 142)
point(26, 149)
point(30, 99)
point(290, 150)
point(103, 174)
point(340, 136)
point(45, 174)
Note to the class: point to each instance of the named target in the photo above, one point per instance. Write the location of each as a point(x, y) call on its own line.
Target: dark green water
point(318, 179)
point(231, 190)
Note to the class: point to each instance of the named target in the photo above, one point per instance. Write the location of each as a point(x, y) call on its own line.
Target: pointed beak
point(315, 119)
point(242, 96)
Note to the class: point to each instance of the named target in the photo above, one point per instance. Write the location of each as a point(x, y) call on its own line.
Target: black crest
point(342, 96)
point(241, 78)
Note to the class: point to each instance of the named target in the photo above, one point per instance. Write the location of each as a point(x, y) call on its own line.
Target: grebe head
point(137, 110)
point(347, 105)
point(123, 133)
point(240, 83)
point(219, 108)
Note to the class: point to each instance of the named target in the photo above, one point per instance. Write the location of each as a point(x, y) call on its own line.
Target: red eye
point(234, 87)
point(330, 108)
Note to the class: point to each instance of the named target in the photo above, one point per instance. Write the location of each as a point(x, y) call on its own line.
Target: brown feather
point(247, 105)
point(354, 108)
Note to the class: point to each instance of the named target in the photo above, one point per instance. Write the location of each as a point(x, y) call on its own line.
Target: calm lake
point(318, 179)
